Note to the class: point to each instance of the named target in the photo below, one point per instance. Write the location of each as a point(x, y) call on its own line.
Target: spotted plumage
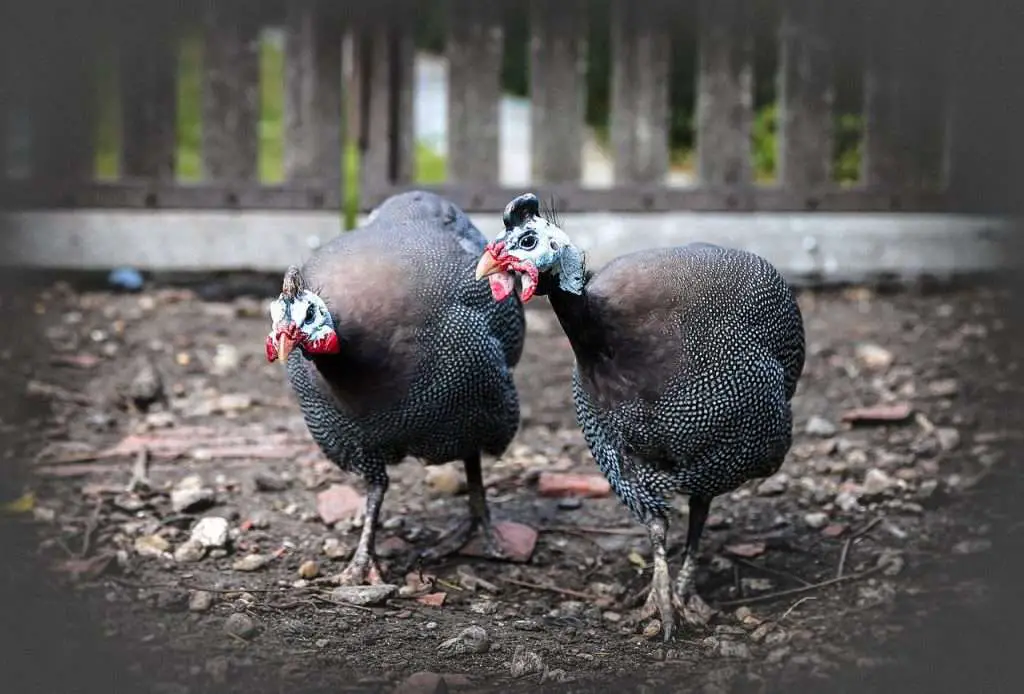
point(424, 358)
point(687, 359)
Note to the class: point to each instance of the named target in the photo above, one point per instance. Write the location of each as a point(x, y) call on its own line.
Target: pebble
point(728, 648)
point(200, 601)
point(445, 480)
point(472, 639)
point(972, 546)
point(776, 484)
point(430, 683)
point(820, 427)
point(251, 562)
point(816, 520)
point(189, 495)
point(309, 569)
point(240, 625)
point(847, 501)
point(265, 482)
point(948, 438)
point(652, 629)
point(211, 531)
point(525, 663)
point(484, 607)
point(335, 548)
point(188, 552)
point(152, 546)
point(339, 502)
point(364, 595)
point(878, 483)
point(873, 356)
point(225, 360)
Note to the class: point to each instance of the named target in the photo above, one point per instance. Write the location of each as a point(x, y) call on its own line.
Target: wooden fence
point(905, 149)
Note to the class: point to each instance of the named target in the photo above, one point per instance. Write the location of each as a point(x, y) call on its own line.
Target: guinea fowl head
point(530, 246)
point(300, 319)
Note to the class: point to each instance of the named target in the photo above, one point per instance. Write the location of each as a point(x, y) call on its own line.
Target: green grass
point(431, 167)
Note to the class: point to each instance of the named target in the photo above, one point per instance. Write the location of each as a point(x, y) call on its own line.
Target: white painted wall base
point(827, 247)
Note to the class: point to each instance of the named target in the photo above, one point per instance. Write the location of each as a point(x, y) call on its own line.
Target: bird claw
point(360, 571)
point(666, 604)
point(460, 535)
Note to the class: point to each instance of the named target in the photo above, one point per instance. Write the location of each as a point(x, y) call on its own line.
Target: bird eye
point(310, 314)
point(528, 243)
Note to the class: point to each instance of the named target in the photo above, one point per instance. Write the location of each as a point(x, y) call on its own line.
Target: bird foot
point(666, 604)
point(360, 571)
point(460, 535)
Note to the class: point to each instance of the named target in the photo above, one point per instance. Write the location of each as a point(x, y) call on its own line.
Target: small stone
point(240, 625)
point(251, 562)
point(211, 532)
point(570, 503)
point(445, 480)
point(972, 546)
point(948, 438)
point(816, 520)
point(335, 548)
point(472, 639)
point(189, 552)
point(190, 496)
point(309, 569)
point(774, 485)
point(265, 482)
point(878, 483)
point(613, 617)
point(226, 360)
point(364, 595)
point(484, 607)
point(728, 648)
point(847, 501)
point(652, 629)
point(820, 427)
point(944, 388)
point(200, 601)
point(873, 357)
point(152, 546)
point(430, 683)
point(339, 502)
point(525, 663)
point(758, 635)
point(231, 402)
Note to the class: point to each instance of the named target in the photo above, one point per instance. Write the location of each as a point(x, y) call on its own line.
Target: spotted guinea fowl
point(394, 350)
point(687, 359)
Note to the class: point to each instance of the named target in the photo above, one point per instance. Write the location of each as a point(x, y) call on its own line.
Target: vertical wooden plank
point(148, 62)
point(725, 80)
point(387, 144)
point(926, 99)
point(806, 96)
point(639, 94)
point(882, 164)
point(313, 106)
point(231, 104)
point(474, 50)
point(558, 53)
point(63, 95)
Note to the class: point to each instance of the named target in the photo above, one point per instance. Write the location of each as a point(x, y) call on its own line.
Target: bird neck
point(575, 313)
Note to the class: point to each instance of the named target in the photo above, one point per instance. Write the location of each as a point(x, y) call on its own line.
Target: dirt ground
point(803, 568)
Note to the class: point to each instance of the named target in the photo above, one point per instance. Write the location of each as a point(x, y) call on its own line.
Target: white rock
point(211, 531)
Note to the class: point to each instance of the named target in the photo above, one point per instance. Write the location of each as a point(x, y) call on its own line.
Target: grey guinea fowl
point(686, 361)
point(394, 350)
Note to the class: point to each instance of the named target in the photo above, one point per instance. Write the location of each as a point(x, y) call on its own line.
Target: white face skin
point(307, 311)
point(536, 246)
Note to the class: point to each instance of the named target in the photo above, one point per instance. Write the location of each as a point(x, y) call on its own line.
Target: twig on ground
point(849, 543)
point(776, 572)
point(90, 529)
point(551, 589)
point(803, 589)
point(192, 586)
point(795, 605)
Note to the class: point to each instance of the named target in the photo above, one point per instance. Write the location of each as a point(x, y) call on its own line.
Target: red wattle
point(325, 345)
point(271, 350)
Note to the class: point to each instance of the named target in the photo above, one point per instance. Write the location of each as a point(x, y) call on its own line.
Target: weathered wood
point(558, 52)
point(148, 65)
point(231, 103)
point(639, 93)
point(725, 81)
point(313, 118)
point(637, 198)
point(806, 96)
point(474, 50)
point(62, 62)
point(386, 49)
point(886, 157)
point(925, 100)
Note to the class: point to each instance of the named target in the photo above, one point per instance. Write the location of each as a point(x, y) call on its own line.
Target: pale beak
point(285, 345)
point(488, 265)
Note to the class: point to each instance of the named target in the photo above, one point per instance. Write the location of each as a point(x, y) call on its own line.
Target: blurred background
point(161, 163)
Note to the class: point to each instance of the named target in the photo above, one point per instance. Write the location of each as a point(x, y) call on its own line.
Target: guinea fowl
point(687, 359)
point(394, 350)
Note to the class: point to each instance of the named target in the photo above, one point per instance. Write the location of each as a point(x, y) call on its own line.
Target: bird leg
point(694, 609)
point(660, 600)
point(363, 567)
point(479, 519)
